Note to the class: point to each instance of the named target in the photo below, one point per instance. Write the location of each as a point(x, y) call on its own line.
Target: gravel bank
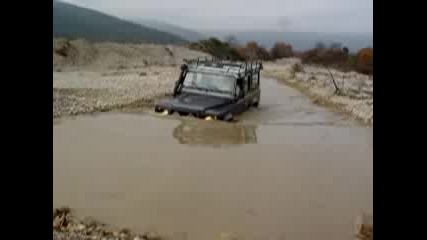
point(86, 92)
point(89, 78)
point(66, 226)
point(355, 96)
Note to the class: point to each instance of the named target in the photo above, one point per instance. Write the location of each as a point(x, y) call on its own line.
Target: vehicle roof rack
point(237, 66)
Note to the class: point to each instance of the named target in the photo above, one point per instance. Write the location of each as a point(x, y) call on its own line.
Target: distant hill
point(71, 21)
point(184, 33)
point(300, 40)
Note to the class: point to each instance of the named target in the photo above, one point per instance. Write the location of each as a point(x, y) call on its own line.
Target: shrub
point(281, 50)
point(334, 57)
point(296, 68)
point(364, 60)
point(365, 56)
point(216, 48)
point(62, 47)
point(252, 51)
point(263, 54)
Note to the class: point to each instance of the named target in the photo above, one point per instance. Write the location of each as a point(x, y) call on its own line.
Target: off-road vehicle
point(214, 89)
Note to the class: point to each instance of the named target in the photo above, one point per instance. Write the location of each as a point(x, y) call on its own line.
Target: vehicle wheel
point(229, 117)
point(183, 114)
point(255, 104)
point(157, 110)
point(164, 111)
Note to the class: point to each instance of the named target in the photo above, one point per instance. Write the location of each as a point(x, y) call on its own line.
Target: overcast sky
point(281, 15)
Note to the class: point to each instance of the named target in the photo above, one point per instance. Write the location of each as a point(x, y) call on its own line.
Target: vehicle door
point(242, 102)
point(255, 91)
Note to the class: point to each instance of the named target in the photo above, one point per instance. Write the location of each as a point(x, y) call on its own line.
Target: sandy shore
point(355, 95)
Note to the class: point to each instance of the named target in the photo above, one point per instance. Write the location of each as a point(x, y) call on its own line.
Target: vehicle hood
point(193, 102)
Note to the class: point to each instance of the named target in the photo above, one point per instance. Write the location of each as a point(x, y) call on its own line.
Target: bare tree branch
point(337, 90)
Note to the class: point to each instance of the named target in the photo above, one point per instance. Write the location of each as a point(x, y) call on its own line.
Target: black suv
point(214, 89)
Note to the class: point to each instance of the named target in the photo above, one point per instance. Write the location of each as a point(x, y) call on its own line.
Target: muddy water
point(288, 170)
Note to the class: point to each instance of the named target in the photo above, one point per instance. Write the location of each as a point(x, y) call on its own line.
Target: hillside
point(70, 21)
point(184, 33)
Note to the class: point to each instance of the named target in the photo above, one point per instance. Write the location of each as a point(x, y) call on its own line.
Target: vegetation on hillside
point(74, 22)
point(217, 48)
point(334, 56)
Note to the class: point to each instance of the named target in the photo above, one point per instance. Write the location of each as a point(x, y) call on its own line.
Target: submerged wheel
point(183, 113)
point(157, 109)
point(164, 111)
point(255, 104)
point(228, 117)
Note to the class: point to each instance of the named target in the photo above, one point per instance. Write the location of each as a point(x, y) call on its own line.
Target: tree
point(241, 52)
point(364, 62)
point(252, 50)
point(281, 50)
point(263, 54)
point(365, 56)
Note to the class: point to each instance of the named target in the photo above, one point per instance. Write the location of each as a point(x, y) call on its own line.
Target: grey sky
point(290, 15)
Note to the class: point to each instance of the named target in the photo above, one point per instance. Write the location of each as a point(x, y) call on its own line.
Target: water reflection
point(214, 134)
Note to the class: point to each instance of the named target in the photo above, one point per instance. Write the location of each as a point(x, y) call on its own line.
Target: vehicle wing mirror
point(184, 67)
point(176, 87)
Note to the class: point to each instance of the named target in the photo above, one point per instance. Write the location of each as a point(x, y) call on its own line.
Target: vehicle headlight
point(165, 112)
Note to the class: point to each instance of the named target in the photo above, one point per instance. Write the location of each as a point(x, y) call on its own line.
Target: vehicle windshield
point(210, 82)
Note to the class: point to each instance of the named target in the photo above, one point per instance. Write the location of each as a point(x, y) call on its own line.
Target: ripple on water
point(292, 170)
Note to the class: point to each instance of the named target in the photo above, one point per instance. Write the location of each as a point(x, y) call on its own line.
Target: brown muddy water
point(288, 170)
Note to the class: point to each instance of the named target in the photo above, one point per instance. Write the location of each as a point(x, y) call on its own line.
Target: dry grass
point(353, 101)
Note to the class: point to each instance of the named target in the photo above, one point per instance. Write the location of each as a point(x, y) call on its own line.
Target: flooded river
point(288, 170)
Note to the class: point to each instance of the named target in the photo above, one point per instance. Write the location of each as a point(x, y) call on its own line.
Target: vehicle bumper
point(166, 108)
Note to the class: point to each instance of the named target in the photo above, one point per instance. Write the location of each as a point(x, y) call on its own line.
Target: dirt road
point(288, 170)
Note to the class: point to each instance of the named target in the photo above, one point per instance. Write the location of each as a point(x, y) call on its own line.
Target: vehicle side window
point(255, 81)
point(246, 85)
point(239, 87)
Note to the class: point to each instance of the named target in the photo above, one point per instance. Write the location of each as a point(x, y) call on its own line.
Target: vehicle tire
point(228, 117)
point(157, 109)
point(255, 104)
point(183, 113)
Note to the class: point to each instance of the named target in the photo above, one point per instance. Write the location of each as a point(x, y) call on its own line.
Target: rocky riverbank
point(66, 226)
point(85, 91)
point(90, 78)
point(352, 93)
